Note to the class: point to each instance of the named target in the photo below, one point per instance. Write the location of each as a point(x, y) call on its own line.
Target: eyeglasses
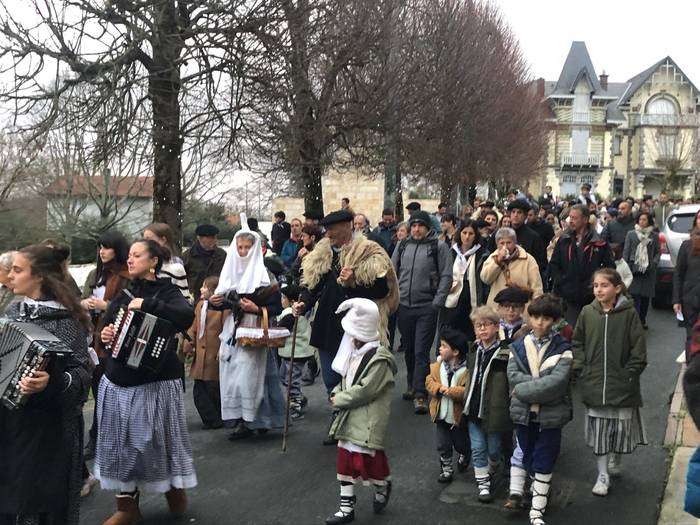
point(481, 326)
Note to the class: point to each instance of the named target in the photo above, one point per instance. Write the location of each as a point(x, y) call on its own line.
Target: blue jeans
point(485, 445)
point(330, 376)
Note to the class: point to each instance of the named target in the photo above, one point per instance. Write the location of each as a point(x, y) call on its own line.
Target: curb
point(681, 439)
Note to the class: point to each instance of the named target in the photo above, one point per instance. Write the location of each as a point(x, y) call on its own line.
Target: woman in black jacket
point(142, 441)
point(468, 290)
point(41, 443)
point(686, 278)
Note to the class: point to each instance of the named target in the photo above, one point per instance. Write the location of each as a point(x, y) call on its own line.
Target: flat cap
point(335, 217)
point(313, 215)
point(413, 206)
point(206, 230)
point(512, 294)
point(519, 204)
point(421, 217)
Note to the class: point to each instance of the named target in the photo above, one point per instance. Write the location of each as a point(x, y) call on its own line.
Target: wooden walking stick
point(289, 384)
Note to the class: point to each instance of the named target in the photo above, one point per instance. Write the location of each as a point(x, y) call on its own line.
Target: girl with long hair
point(609, 348)
point(41, 460)
point(102, 285)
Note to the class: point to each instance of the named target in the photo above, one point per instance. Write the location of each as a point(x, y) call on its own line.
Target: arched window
point(661, 106)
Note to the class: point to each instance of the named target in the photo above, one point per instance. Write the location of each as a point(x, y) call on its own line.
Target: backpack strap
point(363, 364)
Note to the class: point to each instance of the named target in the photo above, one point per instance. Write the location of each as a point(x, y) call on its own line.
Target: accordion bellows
point(24, 349)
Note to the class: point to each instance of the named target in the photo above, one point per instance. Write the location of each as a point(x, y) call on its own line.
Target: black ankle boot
point(380, 504)
point(341, 516)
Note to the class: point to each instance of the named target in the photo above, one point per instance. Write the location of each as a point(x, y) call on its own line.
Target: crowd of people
point(496, 309)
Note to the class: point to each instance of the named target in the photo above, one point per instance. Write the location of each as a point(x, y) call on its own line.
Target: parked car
point(672, 234)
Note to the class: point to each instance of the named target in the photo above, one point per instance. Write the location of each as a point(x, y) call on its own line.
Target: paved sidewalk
point(682, 437)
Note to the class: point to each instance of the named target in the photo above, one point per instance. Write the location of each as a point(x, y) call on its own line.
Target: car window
point(681, 223)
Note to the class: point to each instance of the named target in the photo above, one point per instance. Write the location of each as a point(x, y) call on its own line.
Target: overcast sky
point(623, 37)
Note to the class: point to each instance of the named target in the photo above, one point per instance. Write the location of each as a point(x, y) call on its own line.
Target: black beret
point(421, 217)
point(412, 206)
point(519, 204)
point(512, 294)
point(487, 204)
point(207, 230)
point(291, 292)
point(456, 339)
point(481, 223)
point(335, 217)
point(313, 215)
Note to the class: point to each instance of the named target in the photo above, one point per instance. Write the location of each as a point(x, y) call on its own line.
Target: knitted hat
point(362, 319)
point(421, 217)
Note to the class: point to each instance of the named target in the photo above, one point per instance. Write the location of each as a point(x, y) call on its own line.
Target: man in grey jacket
point(424, 268)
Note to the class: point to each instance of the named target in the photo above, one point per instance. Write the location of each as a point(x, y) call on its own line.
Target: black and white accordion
point(24, 349)
point(141, 340)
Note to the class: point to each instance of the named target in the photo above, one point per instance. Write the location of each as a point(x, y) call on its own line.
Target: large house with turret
point(624, 138)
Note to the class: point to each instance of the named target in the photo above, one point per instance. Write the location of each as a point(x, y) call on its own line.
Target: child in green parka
point(609, 348)
point(363, 401)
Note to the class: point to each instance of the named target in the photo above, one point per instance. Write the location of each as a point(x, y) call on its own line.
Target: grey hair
point(506, 232)
point(247, 236)
point(6, 259)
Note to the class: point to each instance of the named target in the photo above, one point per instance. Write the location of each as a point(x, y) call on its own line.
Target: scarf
point(506, 330)
point(535, 349)
point(243, 274)
point(202, 319)
point(347, 351)
point(464, 263)
point(641, 255)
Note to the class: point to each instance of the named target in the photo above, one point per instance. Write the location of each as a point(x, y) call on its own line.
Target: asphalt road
point(253, 482)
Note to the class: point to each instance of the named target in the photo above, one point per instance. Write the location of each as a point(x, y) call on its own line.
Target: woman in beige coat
point(510, 265)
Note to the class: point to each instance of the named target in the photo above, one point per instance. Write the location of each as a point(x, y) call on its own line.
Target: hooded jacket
point(572, 266)
point(365, 406)
point(421, 281)
point(610, 354)
point(550, 390)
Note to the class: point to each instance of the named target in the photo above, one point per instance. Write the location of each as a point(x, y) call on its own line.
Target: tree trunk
point(164, 89)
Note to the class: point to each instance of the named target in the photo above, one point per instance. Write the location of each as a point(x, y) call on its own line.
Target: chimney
point(604, 80)
point(540, 87)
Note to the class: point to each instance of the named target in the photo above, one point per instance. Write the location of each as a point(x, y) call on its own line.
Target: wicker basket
point(262, 336)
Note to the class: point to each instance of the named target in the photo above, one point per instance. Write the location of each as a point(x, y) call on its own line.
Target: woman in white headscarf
point(251, 391)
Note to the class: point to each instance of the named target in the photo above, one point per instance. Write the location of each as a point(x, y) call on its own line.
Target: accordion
point(140, 340)
point(24, 349)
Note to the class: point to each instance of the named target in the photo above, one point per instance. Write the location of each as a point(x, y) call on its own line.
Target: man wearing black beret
point(341, 267)
point(203, 259)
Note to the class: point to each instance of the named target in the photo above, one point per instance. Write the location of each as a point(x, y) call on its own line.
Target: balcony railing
point(578, 159)
point(691, 119)
point(581, 117)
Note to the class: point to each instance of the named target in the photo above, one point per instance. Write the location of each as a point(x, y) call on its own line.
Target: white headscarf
point(243, 274)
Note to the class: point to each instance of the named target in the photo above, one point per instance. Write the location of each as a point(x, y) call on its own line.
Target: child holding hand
point(446, 383)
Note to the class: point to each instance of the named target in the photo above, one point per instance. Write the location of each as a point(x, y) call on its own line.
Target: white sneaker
point(614, 467)
point(602, 485)
point(87, 486)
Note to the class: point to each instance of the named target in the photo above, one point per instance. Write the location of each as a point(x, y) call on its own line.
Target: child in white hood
point(363, 399)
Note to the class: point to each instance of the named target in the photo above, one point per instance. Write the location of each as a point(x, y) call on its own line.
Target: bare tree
point(143, 60)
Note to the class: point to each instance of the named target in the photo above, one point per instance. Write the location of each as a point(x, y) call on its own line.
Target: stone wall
point(366, 196)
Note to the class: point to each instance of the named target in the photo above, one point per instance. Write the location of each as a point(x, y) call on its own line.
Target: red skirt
point(355, 466)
